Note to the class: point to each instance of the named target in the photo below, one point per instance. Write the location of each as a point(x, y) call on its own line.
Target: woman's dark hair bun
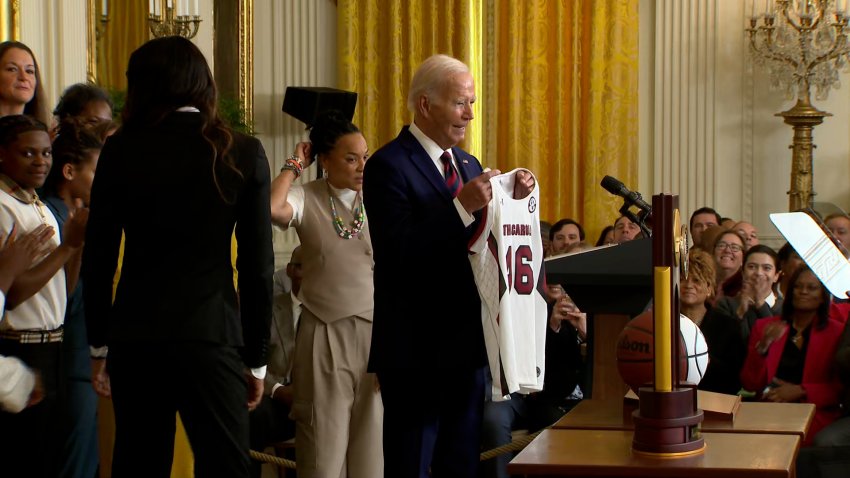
point(328, 128)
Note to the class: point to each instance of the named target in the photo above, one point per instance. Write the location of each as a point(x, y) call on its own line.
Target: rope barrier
point(274, 460)
point(515, 445)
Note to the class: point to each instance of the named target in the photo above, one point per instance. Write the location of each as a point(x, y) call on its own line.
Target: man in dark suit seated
point(423, 196)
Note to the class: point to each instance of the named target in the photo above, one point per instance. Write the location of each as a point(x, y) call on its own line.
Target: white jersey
point(507, 259)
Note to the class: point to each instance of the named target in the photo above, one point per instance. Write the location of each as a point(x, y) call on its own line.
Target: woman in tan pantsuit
point(337, 406)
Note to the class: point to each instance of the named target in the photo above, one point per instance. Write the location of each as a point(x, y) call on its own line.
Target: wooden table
point(608, 453)
point(752, 417)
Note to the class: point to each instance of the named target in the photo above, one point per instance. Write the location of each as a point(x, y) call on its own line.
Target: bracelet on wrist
point(294, 164)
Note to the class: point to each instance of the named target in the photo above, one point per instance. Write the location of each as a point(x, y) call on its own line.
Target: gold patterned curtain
point(556, 82)
point(380, 44)
point(561, 99)
point(125, 31)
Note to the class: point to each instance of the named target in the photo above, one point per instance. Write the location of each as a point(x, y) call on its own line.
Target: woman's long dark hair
point(788, 304)
point(168, 73)
point(37, 106)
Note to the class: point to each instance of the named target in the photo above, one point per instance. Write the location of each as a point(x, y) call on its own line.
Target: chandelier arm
point(789, 19)
point(833, 53)
point(769, 53)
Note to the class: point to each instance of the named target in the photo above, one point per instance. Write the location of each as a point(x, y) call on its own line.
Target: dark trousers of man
point(30, 440)
point(432, 420)
point(269, 423)
point(205, 382)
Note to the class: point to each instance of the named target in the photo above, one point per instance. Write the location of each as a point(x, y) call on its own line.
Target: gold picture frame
point(10, 19)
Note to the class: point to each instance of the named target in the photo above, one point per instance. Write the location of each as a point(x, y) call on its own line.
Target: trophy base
point(667, 424)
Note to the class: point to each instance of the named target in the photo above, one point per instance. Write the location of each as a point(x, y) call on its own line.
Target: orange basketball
point(635, 352)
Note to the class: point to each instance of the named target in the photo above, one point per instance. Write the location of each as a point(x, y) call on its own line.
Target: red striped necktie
point(453, 180)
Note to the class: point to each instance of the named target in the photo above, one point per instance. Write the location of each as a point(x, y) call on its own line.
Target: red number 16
point(523, 280)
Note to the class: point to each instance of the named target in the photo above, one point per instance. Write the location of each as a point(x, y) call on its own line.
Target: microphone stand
point(639, 219)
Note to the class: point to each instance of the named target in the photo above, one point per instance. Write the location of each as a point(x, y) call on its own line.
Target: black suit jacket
point(156, 185)
point(427, 309)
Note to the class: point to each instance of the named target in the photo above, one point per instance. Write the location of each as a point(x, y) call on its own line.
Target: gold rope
point(515, 445)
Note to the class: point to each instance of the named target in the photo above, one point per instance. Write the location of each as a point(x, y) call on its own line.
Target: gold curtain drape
point(556, 82)
point(380, 44)
point(561, 99)
point(125, 31)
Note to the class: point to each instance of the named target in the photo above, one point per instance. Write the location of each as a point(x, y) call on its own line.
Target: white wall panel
point(294, 45)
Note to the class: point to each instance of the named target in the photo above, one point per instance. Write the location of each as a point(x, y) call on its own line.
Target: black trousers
point(432, 422)
point(30, 440)
point(205, 382)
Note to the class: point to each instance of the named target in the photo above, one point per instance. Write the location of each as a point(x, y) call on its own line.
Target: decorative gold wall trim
point(91, 42)
point(246, 58)
point(10, 20)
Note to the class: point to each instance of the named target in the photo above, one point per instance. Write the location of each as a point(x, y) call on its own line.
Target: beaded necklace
point(359, 217)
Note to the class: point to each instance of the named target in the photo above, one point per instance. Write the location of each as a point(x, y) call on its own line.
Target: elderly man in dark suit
point(422, 194)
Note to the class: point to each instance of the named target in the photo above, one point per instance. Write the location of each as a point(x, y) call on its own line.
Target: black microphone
point(614, 186)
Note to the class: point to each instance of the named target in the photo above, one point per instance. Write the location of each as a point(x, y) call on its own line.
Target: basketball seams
point(635, 351)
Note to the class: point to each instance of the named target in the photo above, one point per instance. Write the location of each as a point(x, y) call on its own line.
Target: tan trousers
point(337, 407)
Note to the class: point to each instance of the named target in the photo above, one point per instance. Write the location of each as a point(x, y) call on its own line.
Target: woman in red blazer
point(790, 358)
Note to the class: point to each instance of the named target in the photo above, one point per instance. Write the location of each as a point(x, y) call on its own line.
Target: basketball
point(635, 352)
point(696, 347)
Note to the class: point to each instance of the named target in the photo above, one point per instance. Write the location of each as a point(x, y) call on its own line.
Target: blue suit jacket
point(427, 309)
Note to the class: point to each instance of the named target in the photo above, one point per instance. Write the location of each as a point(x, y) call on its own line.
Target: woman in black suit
point(176, 181)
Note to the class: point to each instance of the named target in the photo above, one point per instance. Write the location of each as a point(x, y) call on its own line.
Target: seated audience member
point(729, 251)
point(748, 232)
point(567, 329)
point(625, 230)
point(829, 457)
point(708, 238)
point(789, 262)
point(702, 219)
point(727, 328)
point(728, 222)
point(839, 226)
point(697, 287)
point(20, 387)
point(545, 227)
point(790, 358)
point(269, 422)
point(838, 432)
point(565, 235)
point(756, 299)
point(606, 236)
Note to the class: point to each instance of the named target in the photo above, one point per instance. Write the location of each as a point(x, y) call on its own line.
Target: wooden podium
point(611, 284)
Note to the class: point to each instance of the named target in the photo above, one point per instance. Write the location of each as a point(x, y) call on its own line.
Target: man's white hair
point(431, 75)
